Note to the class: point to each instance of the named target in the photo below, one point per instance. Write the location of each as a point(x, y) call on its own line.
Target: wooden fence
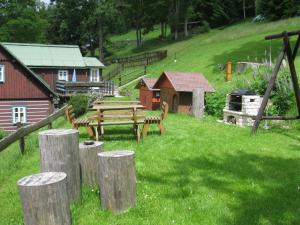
point(139, 60)
point(69, 88)
point(20, 133)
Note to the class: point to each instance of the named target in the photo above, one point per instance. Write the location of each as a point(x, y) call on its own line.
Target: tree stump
point(44, 199)
point(89, 162)
point(117, 180)
point(198, 102)
point(60, 153)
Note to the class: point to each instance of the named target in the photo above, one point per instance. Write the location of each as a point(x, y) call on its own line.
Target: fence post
point(120, 81)
point(145, 70)
point(21, 140)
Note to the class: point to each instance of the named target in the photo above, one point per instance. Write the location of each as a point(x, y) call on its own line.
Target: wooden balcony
point(72, 88)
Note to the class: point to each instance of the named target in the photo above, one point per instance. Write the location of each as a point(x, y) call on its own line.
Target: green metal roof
point(40, 55)
point(92, 62)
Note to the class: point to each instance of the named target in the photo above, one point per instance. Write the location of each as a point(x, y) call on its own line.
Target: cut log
point(44, 199)
point(198, 102)
point(89, 162)
point(59, 149)
point(117, 180)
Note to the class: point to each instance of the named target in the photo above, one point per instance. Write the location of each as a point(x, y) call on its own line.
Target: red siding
point(148, 98)
point(35, 111)
point(50, 75)
point(18, 82)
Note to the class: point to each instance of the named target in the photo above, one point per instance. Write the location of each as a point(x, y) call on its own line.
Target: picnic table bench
point(117, 115)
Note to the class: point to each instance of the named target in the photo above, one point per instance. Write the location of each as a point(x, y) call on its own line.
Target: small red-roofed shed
point(176, 88)
point(149, 97)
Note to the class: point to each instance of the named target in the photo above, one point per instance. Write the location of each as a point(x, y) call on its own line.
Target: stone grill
point(241, 106)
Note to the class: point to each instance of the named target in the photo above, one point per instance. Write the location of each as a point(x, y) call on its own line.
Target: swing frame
point(291, 56)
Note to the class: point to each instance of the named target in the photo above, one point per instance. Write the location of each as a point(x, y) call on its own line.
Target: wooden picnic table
point(101, 102)
point(117, 115)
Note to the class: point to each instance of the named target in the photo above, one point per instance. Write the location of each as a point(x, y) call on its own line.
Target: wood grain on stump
point(89, 162)
point(60, 153)
point(117, 180)
point(198, 102)
point(44, 199)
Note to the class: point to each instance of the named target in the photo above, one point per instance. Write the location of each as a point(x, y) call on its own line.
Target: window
point(2, 73)
point(19, 114)
point(95, 75)
point(63, 75)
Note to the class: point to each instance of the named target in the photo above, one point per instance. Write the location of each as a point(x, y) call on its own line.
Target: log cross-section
point(44, 199)
point(117, 180)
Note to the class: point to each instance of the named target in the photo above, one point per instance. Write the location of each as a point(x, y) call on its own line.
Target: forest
point(89, 23)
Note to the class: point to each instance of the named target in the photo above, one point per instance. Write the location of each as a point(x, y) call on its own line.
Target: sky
point(47, 1)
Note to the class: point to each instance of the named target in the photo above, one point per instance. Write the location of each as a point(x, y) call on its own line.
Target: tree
point(23, 21)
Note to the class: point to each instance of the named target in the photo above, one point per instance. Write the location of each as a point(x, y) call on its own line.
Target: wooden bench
point(76, 123)
point(157, 120)
point(119, 116)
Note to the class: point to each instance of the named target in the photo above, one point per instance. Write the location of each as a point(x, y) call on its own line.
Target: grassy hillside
point(203, 52)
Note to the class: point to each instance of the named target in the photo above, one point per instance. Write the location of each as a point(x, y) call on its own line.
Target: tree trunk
point(137, 37)
point(117, 180)
point(100, 37)
point(186, 33)
point(89, 162)
point(44, 199)
point(244, 8)
point(59, 150)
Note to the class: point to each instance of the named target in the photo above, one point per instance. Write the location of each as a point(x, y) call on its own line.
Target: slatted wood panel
point(18, 82)
point(36, 110)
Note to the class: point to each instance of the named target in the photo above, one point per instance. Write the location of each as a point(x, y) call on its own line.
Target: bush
point(80, 104)
point(2, 134)
point(215, 104)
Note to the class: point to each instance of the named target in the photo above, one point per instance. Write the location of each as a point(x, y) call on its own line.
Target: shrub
point(2, 134)
point(215, 104)
point(80, 104)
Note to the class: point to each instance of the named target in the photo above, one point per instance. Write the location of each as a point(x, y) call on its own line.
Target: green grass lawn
point(200, 172)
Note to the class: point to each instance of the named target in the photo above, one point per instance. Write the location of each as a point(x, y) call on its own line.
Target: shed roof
point(41, 55)
point(149, 82)
point(185, 82)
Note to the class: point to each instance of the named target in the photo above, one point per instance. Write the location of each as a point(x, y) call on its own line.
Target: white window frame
point(63, 75)
point(2, 73)
point(97, 75)
point(18, 110)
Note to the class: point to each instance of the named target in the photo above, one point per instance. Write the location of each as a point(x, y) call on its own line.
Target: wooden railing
point(139, 60)
point(20, 133)
point(71, 88)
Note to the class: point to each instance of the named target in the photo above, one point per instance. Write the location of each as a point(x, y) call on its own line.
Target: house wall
point(166, 94)
point(35, 111)
point(18, 82)
point(148, 98)
point(51, 75)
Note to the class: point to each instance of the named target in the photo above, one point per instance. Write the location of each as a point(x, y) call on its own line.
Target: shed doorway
point(175, 103)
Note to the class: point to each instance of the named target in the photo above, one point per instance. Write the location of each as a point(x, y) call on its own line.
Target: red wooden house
point(56, 62)
point(176, 88)
point(24, 96)
point(149, 97)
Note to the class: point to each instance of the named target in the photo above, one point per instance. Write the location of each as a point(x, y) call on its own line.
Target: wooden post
point(228, 71)
point(59, 149)
point(268, 91)
point(44, 199)
point(198, 102)
point(88, 153)
point(21, 140)
point(117, 180)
